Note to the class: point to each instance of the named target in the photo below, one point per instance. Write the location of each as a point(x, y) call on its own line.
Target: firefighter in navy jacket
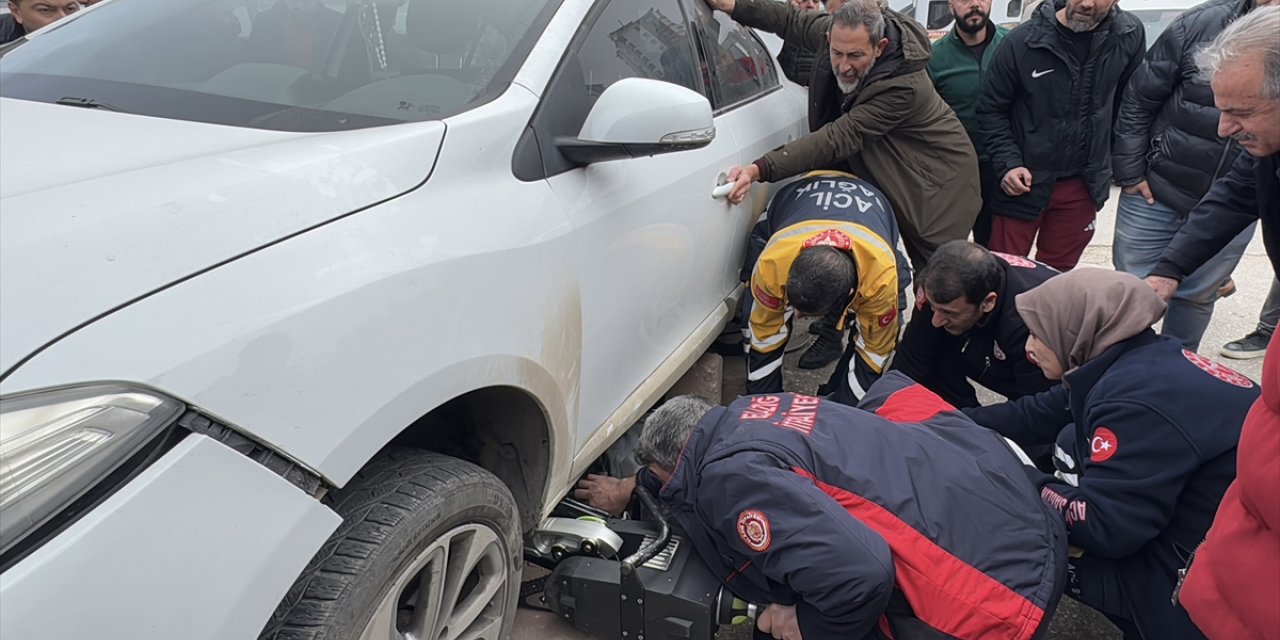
point(966, 327)
point(852, 524)
point(829, 211)
point(1147, 445)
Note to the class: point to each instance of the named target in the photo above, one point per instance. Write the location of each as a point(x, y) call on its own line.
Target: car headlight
point(57, 445)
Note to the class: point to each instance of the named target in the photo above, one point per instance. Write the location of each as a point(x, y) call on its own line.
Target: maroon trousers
point(1065, 228)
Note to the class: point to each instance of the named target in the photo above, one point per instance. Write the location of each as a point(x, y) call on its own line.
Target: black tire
point(392, 511)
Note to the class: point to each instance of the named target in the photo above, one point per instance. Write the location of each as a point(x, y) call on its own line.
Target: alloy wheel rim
point(455, 589)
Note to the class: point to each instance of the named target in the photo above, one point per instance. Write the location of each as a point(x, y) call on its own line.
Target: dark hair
point(959, 268)
point(820, 280)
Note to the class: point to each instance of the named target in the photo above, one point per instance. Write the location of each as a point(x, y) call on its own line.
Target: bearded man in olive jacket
point(873, 111)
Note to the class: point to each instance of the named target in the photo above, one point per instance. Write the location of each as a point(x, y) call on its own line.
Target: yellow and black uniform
point(835, 209)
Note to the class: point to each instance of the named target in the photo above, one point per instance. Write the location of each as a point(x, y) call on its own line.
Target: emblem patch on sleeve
point(1225, 374)
point(765, 299)
point(753, 528)
point(1015, 261)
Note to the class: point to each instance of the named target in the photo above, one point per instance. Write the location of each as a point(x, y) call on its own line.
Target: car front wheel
point(428, 550)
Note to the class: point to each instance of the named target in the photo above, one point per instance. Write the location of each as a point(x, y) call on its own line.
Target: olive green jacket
point(894, 130)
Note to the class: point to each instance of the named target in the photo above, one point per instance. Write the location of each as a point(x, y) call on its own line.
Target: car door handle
point(723, 187)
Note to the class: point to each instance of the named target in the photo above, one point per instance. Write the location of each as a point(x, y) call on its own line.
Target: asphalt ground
point(1233, 317)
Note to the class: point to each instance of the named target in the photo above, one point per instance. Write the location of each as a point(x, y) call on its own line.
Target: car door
point(655, 252)
point(750, 101)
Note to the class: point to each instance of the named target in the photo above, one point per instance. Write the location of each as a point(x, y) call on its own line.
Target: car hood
point(99, 209)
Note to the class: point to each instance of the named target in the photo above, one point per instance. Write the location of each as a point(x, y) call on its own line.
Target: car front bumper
point(201, 545)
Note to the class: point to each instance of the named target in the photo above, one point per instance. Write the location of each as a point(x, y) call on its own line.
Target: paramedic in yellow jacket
point(828, 245)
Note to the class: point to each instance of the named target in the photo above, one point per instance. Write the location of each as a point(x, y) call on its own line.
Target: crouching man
point(826, 247)
point(908, 523)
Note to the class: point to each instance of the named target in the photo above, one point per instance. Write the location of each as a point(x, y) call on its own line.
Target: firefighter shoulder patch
point(1015, 261)
point(1223, 373)
point(753, 528)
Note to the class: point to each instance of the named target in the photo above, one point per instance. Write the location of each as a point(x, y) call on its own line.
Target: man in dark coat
point(965, 326)
point(1046, 114)
point(1244, 64)
point(1166, 142)
point(876, 112)
point(797, 61)
point(909, 522)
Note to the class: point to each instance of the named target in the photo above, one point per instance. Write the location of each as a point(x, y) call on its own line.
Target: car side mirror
point(637, 117)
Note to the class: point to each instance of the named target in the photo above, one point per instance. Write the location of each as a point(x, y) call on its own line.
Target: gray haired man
point(1243, 64)
point(876, 115)
point(1166, 156)
point(812, 508)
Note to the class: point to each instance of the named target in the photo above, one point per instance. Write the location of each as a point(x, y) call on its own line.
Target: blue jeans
point(1142, 233)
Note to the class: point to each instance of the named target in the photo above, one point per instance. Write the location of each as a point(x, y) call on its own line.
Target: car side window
point(739, 67)
point(638, 40)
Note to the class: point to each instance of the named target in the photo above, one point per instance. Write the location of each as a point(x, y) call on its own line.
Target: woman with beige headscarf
point(1146, 436)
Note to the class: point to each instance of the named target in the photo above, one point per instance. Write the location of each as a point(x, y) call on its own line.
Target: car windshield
point(1155, 21)
point(292, 65)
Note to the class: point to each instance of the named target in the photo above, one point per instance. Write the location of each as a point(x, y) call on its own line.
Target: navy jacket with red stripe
point(911, 519)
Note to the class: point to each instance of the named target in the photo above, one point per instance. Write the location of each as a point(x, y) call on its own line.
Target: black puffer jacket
point(1036, 98)
point(796, 62)
point(10, 30)
point(1167, 133)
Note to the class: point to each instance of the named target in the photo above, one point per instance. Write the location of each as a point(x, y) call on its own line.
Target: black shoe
point(826, 348)
point(1251, 346)
point(730, 342)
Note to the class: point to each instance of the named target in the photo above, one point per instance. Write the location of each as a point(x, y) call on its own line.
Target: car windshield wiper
point(86, 103)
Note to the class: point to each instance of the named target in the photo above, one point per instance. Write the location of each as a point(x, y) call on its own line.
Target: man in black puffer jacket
point(795, 59)
point(1046, 110)
point(1167, 153)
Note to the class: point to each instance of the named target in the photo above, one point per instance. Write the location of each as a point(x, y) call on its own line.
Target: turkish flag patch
point(753, 528)
point(887, 319)
point(1103, 445)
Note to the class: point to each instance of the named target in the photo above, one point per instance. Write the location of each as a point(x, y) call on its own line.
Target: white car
point(308, 312)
